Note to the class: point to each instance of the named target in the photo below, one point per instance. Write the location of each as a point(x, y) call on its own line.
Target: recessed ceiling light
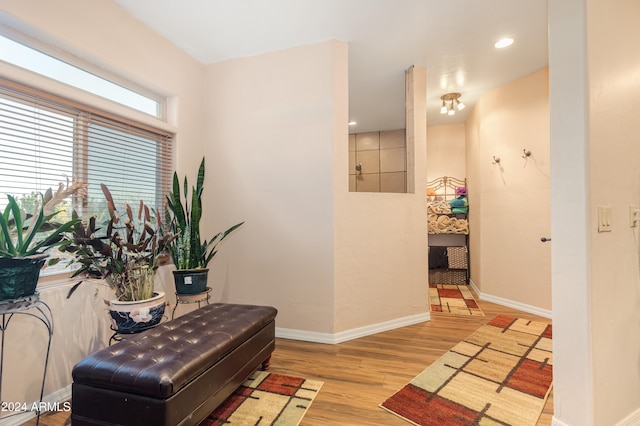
point(352, 123)
point(505, 42)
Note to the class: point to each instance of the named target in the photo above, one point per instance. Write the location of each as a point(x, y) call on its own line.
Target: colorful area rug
point(266, 399)
point(499, 375)
point(453, 299)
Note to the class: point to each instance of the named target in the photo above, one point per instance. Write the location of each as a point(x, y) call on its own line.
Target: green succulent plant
point(182, 217)
point(23, 234)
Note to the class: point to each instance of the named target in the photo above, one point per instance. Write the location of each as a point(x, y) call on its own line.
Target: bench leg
point(266, 363)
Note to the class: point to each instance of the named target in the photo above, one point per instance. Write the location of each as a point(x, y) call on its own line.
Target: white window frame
point(87, 67)
point(93, 102)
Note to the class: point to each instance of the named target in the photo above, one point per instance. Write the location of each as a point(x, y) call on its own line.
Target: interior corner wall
point(446, 151)
point(614, 180)
point(573, 365)
point(270, 150)
point(99, 32)
point(596, 158)
point(474, 184)
point(510, 209)
point(381, 239)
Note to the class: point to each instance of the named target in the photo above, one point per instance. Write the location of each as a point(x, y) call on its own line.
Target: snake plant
point(188, 250)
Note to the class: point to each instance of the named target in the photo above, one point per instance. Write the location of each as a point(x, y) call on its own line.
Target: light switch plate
point(604, 219)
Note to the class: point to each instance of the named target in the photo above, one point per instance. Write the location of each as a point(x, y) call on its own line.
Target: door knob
point(545, 239)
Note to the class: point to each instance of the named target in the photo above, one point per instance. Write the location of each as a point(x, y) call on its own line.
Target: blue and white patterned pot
point(136, 316)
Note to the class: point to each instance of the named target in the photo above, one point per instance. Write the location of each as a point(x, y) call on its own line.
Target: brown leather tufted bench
point(176, 373)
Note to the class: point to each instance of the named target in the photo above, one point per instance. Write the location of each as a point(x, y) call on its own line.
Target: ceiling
point(453, 39)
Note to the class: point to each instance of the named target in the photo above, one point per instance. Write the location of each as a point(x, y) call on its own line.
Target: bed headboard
point(445, 187)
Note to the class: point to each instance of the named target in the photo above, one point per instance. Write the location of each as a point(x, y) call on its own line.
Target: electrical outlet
point(604, 219)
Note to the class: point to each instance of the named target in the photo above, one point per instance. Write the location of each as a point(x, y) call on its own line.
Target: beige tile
point(352, 183)
point(368, 182)
point(370, 161)
point(352, 142)
point(393, 182)
point(352, 163)
point(367, 141)
point(392, 139)
point(393, 160)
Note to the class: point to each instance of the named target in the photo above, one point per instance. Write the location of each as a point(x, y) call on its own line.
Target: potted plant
point(26, 238)
point(189, 252)
point(126, 255)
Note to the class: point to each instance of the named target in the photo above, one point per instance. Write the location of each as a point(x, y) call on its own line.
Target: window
point(45, 140)
point(39, 62)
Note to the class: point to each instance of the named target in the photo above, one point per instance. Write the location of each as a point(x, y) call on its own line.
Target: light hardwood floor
point(360, 374)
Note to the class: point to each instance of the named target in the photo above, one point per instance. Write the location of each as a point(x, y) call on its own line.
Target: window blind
point(45, 139)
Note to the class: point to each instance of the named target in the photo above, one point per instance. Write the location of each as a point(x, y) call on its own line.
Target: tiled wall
point(383, 160)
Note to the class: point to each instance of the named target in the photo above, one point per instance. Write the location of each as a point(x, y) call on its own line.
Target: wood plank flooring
point(360, 374)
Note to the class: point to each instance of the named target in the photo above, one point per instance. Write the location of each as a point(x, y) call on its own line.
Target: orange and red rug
point(499, 375)
point(266, 399)
point(453, 299)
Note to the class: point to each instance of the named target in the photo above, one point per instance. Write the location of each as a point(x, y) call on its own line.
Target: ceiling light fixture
point(505, 42)
point(454, 103)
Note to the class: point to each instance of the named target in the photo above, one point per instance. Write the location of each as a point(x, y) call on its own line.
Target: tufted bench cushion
point(177, 372)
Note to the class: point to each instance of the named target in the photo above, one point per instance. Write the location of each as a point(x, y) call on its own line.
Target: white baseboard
point(510, 303)
point(474, 287)
point(52, 402)
point(632, 419)
point(343, 336)
point(556, 422)
point(17, 419)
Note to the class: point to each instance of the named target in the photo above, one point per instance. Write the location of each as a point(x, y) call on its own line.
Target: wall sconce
point(496, 160)
point(454, 103)
point(526, 153)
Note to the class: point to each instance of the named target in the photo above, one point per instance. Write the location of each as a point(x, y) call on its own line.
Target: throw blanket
point(442, 224)
point(439, 207)
point(438, 221)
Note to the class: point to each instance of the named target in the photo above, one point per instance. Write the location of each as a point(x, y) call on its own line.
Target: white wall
point(509, 202)
point(571, 282)
point(381, 239)
point(614, 167)
point(597, 159)
point(446, 153)
point(269, 148)
point(277, 150)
